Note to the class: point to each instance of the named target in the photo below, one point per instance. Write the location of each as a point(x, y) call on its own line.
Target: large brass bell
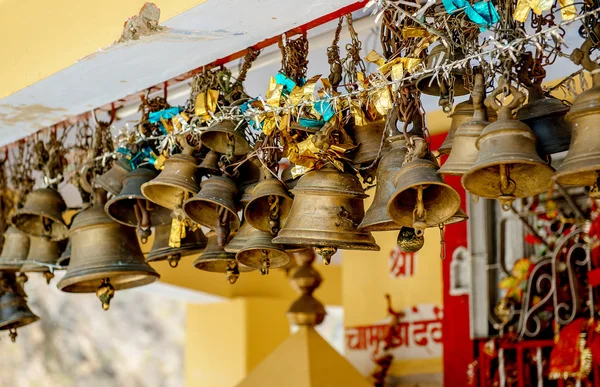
point(215, 259)
point(43, 254)
point(464, 150)
point(112, 180)
point(226, 137)
point(430, 85)
point(193, 243)
point(270, 205)
point(508, 166)
point(546, 118)
point(176, 183)
point(14, 312)
point(131, 208)
point(15, 249)
point(210, 164)
point(105, 256)
point(214, 207)
point(422, 199)
point(261, 253)
point(368, 140)
point(327, 209)
point(42, 215)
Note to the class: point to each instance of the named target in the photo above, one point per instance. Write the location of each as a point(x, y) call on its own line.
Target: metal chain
point(353, 63)
point(333, 57)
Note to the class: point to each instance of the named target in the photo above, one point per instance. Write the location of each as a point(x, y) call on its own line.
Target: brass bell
point(112, 180)
point(376, 218)
point(42, 252)
point(131, 208)
point(249, 174)
point(240, 238)
point(14, 312)
point(459, 216)
point(261, 253)
point(226, 137)
point(176, 182)
point(42, 215)
point(247, 194)
point(327, 209)
point(15, 249)
point(193, 243)
point(214, 207)
point(463, 112)
point(210, 164)
point(422, 199)
point(215, 259)
point(508, 166)
point(430, 85)
point(65, 257)
point(464, 151)
point(368, 140)
point(546, 118)
point(105, 256)
point(270, 205)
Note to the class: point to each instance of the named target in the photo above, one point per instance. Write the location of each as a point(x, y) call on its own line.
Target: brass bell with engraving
point(112, 180)
point(14, 311)
point(261, 253)
point(508, 166)
point(15, 249)
point(214, 207)
point(215, 259)
point(42, 252)
point(193, 243)
point(226, 137)
point(41, 215)
point(105, 256)
point(327, 209)
point(368, 140)
point(464, 149)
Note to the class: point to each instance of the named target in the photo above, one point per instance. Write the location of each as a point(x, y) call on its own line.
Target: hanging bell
point(42, 215)
point(210, 164)
point(248, 174)
point(546, 118)
point(65, 257)
point(226, 137)
point(175, 183)
point(508, 166)
point(327, 209)
point(261, 253)
point(459, 216)
point(463, 112)
point(422, 199)
point(112, 180)
point(464, 150)
point(270, 205)
point(15, 249)
point(214, 207)
point(193, 243)
point(217, 260)
point(14, 312)
point(42, 252)
point(131, 208)
point(105, 256)
point(368, 140)
point(240, 238)
point(376, 218)
point(429, 84)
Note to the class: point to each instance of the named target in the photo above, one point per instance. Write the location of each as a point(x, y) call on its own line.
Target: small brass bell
point(15, 249)
point(210, 164)
point(261, 253)
point(368, 140)
point(422, 199)
point(105, 256)
point(65, 257)
point(430, 85)
point(42, 215)
point(546, 118)
point(247, 194)
point(131, 208)
point(193, 243)
point(14, 312)
point(464, 150)
point(508, 166)
point(409, 241)
point(327, 209)
point(270, 205)
point(240, 238)
point(459, 216)
point(176, 182)
point(463, 112)
point(42, 251)
point(112, 180)
point(226, 137)
point(376, 218)
point(214, 207)
point(215, 259)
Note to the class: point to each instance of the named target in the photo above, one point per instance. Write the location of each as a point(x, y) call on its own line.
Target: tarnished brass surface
point(41, 250)
point(210, 164)
point(112, 181)
point(193, 243)
point(261, 253)
point(429, 84)
point(41, 215)
point(368, 139)
point(217, 193)
point(259, 210)
point(459, 216)
point(175, 183)
point(462, 113)
point(216, 259)
point(14, 312)
point(240, 238)
point(328, 207)
point(15, 249)
point(287, 177)
point(222, 135)
point(65, 257)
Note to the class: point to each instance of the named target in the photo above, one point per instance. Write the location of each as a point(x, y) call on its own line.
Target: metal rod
point(529, 227)
point(570, 201)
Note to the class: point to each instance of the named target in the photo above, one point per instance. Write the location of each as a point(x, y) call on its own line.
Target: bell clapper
point(266, 263)
point(274, 213)
point(143, 220)
point(419, 213)
point(230, 147)
point(48, 275)
point(173, 260)
point(326, 253)
point(12, 333)
point(507, 188)
point(233, 272)
point(223, 227)
point(22, 278)
point(442, 242)
point(475, 199)
point(105, 293)
point(409, 241)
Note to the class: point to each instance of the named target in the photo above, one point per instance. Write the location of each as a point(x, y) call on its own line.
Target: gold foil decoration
point(423, 44)
point(206, 102)
point(308, 148)
point(374, 57)
point(567, 9)
point(522, 10)
point(167, 125)
point(268, 124)
point(299, 170)
point(273, 94)
point(159, 162)
point(326, 84)
point(414, 32)
point(358, 114)
point(175, 235)
point(381, 99)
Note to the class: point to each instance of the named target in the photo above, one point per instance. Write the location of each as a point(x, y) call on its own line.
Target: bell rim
point(116, 200)
point(303, 241)
point(81, 282)
point(10, 266)
point(243, 141)
point(234, 222)
point(459, 90)
point(527, 112)
point(163, 253)
point(189, 189)
point(19, 321)
point(33, 268)
point(379, 225)
point(560, 177)
point(62, 235)
point(212, 265)
point(281, 259)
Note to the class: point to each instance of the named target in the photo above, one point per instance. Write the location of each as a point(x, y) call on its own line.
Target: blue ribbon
point(166, 114)
point(325, 109)
point(287, 83)
point(481, 13)
point(311, 123)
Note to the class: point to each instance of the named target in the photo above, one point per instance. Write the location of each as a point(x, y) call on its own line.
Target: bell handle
point(505, 110)
point(478, 93)
point(581, 57)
